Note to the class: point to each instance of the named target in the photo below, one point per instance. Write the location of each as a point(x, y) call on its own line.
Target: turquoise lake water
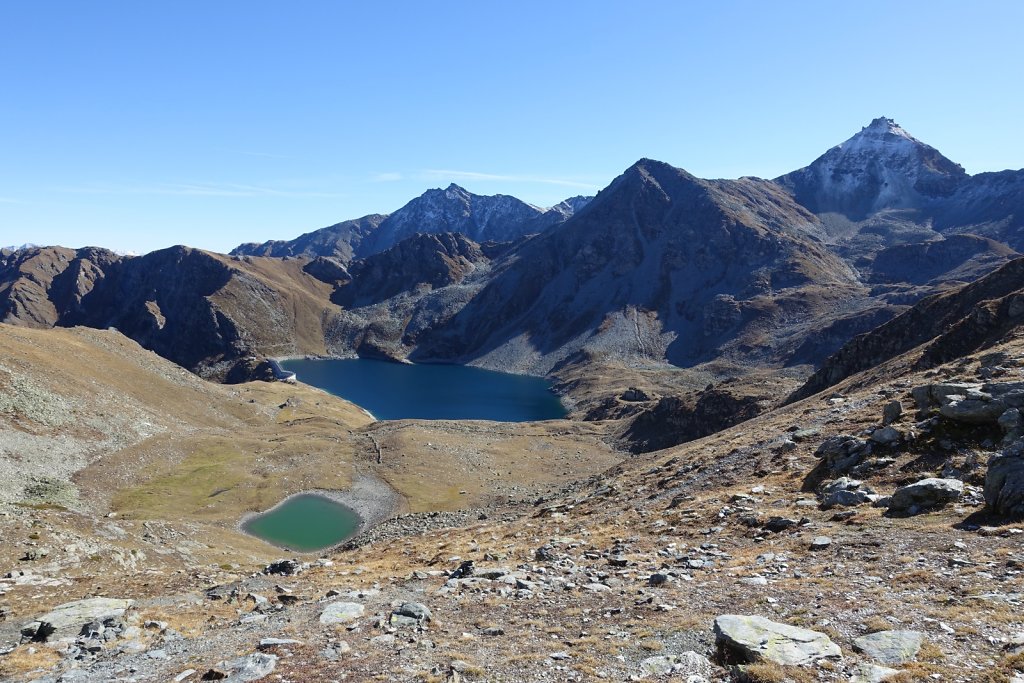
point(305, 523)
point(393, 391)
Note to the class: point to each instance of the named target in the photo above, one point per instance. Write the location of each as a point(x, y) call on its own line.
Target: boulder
point(748, 639)
point(845, 498)
point(68, 620)
point(925, 494)
point(930, 395)
point(268, 643)
point(411, 614)
point(891, 412)
point(842, 453)
point(284, 567)
point(821, 543)
point(254, 667)
point(777, 524)
point(974, 411)
point(689, 667)
point(633, 394)
point(890, 647)
point(845, 492)
point(1004, 481)
point(871, 673)
point(886, 436)
point(1012, 423)
point(341, 612)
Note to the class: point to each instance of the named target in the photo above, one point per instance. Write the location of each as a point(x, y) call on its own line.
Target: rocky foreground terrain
point(865, 533)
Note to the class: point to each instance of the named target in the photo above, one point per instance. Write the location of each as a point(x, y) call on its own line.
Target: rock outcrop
point(68, 620)
point(677, 419)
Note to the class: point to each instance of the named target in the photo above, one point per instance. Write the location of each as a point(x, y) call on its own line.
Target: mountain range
point(660, 269)
point(497, 218)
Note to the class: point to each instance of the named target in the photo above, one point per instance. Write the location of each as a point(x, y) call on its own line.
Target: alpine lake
point(395, 391)
point(310, 522)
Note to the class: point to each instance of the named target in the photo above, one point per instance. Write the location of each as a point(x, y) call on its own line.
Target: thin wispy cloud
point(386, 177)
point(448, 174)
point(266, 155)
point(10, 200)
point(197, 190)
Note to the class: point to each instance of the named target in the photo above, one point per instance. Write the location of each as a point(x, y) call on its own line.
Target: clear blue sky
point(139, 125)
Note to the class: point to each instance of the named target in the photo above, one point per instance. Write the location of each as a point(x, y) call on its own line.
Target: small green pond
point(305, 523)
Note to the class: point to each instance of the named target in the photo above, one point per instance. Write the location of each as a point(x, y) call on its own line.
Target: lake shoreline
point(369, 497)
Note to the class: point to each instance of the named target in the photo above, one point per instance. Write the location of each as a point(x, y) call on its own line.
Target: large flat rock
point(67, 620)
point(749, 639)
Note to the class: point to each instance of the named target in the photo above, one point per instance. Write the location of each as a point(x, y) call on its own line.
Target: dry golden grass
point(27, 658)
point(769, 672)
point(448, 466)
point(876, 623)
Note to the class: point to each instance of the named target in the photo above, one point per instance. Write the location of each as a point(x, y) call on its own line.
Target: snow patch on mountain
point(881, 167)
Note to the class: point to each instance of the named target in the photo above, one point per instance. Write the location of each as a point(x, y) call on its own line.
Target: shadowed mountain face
point(959, 257)
point(481, 218)
point(987, 204)
point(660, 264)
point(422, 261)
point(961, 319)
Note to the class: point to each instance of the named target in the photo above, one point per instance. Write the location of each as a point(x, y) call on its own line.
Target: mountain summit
point(881, 167)
point(482, 218)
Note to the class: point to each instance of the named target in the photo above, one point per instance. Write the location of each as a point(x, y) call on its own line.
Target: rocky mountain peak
point(881, 167)
point(884, 125)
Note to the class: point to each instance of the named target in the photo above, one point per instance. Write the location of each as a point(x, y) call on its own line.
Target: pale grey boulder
point(341, 613)
point(749, 639)
point(925, 494)
point(846, 492)
point(689, 666)
point(871, 673)
point(254, 667)
point(974, 411)
point(890, 647)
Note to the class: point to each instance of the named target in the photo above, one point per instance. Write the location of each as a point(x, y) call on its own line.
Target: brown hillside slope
point(202, 310)
point(925, 321)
